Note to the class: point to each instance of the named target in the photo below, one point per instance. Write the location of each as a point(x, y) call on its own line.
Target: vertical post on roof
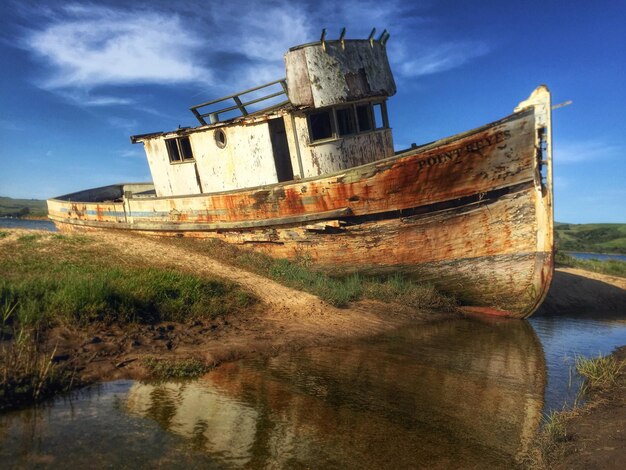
point(341, 38)
point(323, 39)
point(371, 38)
point(385, 38)
point(380, 38)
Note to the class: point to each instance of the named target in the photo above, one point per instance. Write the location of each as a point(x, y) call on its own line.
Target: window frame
point(351, 115)
point(332, 111)
point(179, 148)
point(333, 125)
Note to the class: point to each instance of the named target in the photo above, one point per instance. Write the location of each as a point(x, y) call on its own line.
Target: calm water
point(28, 224)
point(456, 394)
point(598, 256)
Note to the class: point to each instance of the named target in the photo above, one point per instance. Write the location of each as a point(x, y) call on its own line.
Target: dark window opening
point(185, 148)
point(321, 127)
point(364, 117)
point(179, 149)
point(172, 150)
point(345, 121)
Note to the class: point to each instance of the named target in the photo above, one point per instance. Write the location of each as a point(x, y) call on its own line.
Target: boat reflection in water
point(461, 393)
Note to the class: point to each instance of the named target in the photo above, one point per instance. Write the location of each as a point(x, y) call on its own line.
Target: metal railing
point(214, 116)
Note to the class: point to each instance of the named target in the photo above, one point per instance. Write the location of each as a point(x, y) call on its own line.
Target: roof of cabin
point(257, 116)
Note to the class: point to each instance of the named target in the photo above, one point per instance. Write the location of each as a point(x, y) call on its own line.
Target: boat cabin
point(329, 114)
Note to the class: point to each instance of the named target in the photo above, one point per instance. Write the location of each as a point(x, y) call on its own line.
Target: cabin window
point(320, 124)
point(364, 117)
point(346, 120)
point(346, 124)
point(220, 138)
point(179, 149)
point(380, 115)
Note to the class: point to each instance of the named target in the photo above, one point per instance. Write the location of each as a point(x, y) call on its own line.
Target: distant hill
point(594, 238)
point(10, 207)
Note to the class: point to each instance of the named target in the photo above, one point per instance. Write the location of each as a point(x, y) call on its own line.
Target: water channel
point(455, 394)
point(597, 256)
point(29, 224)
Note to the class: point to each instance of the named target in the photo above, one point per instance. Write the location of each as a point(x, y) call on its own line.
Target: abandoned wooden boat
point(308, 170)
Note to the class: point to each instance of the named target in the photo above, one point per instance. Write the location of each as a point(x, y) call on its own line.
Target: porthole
point(220, 138)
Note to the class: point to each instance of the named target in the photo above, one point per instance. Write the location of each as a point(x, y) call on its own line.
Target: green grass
point(166, 369)
point(3, 234)
point(29, 238)
point(592, 238)
point(53, 279)
point(336, 290)
point(49, 280)
point(611, 267)
point(600, 371)
point(10, 207)
point(554, 426)
point(27, 374)
point(71, 239)
point(72, 293)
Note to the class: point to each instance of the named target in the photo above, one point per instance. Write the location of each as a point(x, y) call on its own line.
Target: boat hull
point(471, 214)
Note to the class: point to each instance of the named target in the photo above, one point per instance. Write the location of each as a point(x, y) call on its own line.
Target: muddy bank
point(111, 352)
point(596, 433)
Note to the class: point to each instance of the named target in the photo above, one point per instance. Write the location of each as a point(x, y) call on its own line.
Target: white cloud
point(437, 58)
point(92, 46)
point(87, 98)
point(580, 151)
point(220, 47)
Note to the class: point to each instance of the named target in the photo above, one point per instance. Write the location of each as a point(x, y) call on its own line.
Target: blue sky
point(78, 78)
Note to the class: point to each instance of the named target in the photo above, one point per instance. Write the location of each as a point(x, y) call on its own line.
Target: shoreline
point(593, 435)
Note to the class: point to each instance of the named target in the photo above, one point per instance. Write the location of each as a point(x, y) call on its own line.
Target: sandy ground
point(579, 292)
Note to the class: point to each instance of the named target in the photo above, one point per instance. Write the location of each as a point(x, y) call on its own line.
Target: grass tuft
point(165, 369)
point(3, 234)
point(598, 372)
point(336, 290)
point(29, 238)
point(396, 288)
point(28, 375)
point(72, 239)
point(554, 427)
